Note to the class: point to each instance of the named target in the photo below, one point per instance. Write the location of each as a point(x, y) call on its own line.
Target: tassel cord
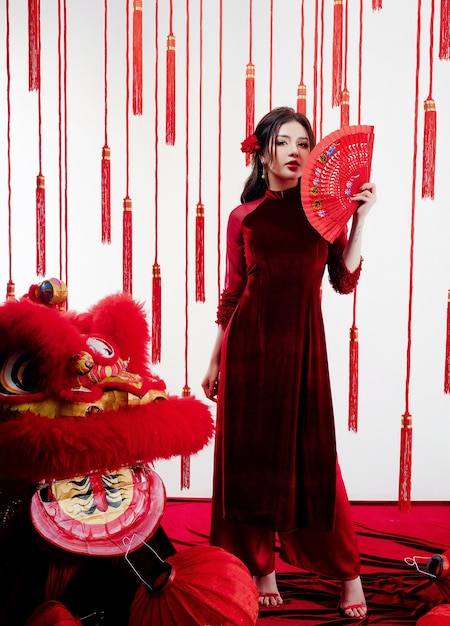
point(219, 152)
point(156, 270)
point(63, 154)
point(127, 102)
point(8, 137)
point(199, 219)
point(321, 57)
point(413, 208)
point(105, 68)
point(302, 42)
point(156, 125)
point(345, 95)
point(249, 84)
point(106, 152)
point(431, 49)
point(404, 489)
point(200, 105)
point(185, 460)
point(127, 244)
point(301, 89)
point(186, 247)
point(270, 54)
point(315, 70)
point(360, 64)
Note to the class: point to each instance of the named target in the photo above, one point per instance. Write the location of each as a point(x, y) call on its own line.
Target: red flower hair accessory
point(250, 145)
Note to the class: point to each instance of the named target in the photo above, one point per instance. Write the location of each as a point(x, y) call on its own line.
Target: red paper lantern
point(438, 568)
point(200, 585)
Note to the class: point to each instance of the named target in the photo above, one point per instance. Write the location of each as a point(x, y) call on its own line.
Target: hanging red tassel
point(249, 103)
point(377, 5)
point(345, 108)
point(40, 225)
point(447, 350)
point(301, 89)
point(444, 35)
point(106, 194)
point(353, 381)
point(10, 290)
point(156, 313)
point(337, 53)
point(429, 127)
point(34, 28)
point(170, 90)
point(301, 99)
point(200, 253)
point(137, 57)
point(429, 149)
point(404, 485)
point(127, 246)
point(185, 474)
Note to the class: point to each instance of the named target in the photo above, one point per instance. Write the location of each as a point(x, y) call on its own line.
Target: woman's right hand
point(211, 381)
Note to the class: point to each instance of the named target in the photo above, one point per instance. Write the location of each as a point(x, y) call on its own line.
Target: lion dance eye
point(81, 363)
point(18, 374)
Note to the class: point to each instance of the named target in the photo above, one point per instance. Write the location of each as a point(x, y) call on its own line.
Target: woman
point(275, 458)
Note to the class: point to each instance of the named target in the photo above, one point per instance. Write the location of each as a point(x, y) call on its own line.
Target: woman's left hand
point(367, 196)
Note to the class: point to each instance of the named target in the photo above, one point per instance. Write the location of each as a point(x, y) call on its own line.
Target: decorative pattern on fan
point(335, 170)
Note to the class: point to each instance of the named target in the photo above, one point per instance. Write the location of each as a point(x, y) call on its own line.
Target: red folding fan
point(334, 171)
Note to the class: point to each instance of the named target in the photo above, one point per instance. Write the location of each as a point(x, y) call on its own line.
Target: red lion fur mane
point(51, 426)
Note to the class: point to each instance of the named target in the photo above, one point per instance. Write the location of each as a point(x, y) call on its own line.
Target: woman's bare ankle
point(268, 590)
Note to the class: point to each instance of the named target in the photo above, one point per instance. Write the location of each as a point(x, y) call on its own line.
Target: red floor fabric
point(396, 593)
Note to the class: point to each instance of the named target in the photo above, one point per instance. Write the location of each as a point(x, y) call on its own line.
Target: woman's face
point(285, 161)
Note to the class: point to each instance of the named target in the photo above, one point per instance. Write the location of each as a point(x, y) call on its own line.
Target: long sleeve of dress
point(236, 271)
point(341, 279)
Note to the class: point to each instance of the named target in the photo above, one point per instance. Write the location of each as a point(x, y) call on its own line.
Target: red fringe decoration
point(429, 149)
point(447, 350)
point(185, 473)
point(200, 253)
point(34, 28)
point(106, 194)
point(10, 290)
point(156, 313)
point(404, 485)
point(301, 99)
point(137, 57)
point(377, 5)
point(337, 53)
point(249, 103)
point(353, 381)
point(127, 246)
point(40, 225)
point(444, 35)
point(345, 108)
point(429, 128)
point(170, 90)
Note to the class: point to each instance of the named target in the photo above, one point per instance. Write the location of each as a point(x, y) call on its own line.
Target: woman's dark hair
point(267, 129)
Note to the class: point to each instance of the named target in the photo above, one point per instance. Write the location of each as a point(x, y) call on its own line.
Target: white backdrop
point(369, 459)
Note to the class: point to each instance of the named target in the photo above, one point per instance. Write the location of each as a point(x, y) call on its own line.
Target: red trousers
point(332, 554)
